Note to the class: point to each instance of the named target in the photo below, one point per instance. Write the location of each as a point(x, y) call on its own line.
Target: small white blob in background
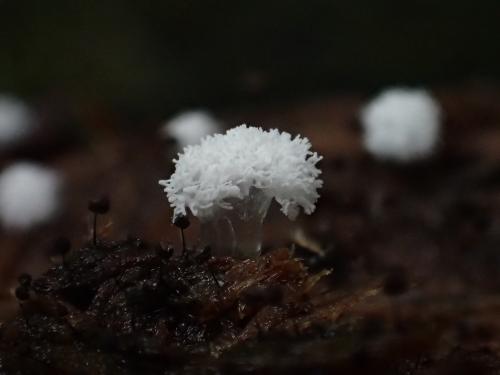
point(29, 195)
point(17, 120)
point(188, 128)
point(401, 124)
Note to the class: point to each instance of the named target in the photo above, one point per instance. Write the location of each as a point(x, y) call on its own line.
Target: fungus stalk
point(100, 206)
point(228, 182)
point(182, 222)
point(237, 232)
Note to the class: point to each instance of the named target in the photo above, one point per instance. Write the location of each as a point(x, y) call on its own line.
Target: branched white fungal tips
point(224, 168)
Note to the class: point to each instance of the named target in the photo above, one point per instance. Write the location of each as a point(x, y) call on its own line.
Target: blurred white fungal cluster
point(29, 195)
point(188, 128)
point(16, 120)
point(226, 167)
point(401, 124)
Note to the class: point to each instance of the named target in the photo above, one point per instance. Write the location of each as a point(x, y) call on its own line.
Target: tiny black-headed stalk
point(99, 206)
point(182, 222)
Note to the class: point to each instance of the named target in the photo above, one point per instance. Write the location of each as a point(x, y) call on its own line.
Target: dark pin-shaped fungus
point(182, 222)
point(228, 182)
point(99, 206)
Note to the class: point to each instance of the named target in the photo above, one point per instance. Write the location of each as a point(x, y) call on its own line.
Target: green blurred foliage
point(167, 54)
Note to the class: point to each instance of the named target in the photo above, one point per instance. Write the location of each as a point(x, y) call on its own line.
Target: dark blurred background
point(154, 57)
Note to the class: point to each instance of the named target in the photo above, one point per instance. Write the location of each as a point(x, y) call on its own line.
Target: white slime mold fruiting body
point(16, 121)
point(228, 182)
point(29, 195)
point(188, 128)
point(402, 125)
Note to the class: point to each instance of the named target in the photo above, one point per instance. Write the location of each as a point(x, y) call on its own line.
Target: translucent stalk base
point(237, 232)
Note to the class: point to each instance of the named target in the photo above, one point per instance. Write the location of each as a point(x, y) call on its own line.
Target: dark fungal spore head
point(182, 222)
point(100, 205)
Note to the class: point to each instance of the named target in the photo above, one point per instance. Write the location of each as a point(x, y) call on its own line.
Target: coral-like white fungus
point(188, 128)
point(29, 195)
point(402, 124)
point(227, 166)
point(16, 120)
point(228, 182)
